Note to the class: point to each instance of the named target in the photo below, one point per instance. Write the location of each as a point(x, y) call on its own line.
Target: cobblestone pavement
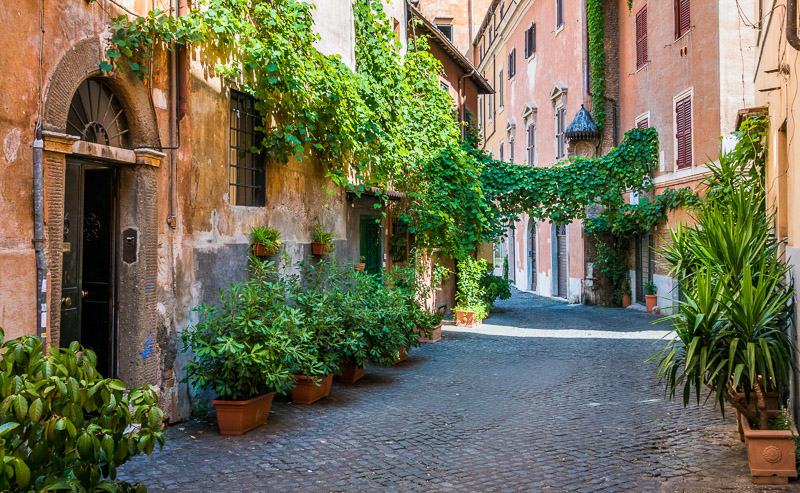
point(479, 413)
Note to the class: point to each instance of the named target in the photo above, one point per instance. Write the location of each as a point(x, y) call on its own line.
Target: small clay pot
point(650, 301)
point(360, 267)
point(321, 248)
point(626, 300)
point(259, 250)
point(238, 417)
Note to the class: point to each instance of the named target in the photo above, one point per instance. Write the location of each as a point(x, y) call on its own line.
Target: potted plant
point(238, 353)
point(470, 306)
point(650, 297)
point(625, 295)
point(361, 265)
point(735, 312)
point(64, 427)
point(428, 327)
point(265, 241)
point(322, 243)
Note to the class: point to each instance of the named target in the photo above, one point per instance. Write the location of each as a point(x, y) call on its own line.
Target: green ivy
point(597, 59)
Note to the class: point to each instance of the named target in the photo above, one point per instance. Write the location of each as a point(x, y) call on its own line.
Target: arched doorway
point(88, 271)
point(532, 246)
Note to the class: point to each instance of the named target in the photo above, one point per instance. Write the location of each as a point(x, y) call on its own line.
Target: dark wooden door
point(88, 261)
point(371, 244)
point(644, 264)
point(532, 268)
point(561, 239)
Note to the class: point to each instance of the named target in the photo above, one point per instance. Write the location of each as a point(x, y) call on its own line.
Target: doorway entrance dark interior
point(88, 272)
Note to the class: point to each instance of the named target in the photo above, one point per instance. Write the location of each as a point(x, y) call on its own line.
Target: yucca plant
point(735, 313)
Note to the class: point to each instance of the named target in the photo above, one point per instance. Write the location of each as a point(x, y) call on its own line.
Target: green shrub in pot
point(65, 427)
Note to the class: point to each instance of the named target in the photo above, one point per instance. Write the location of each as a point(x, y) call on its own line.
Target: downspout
point(38, 232)
point(791, 24)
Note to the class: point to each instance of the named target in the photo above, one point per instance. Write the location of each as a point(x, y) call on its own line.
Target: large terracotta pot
point(770, 453)
point(771, 399)
point(402, 355)
point(237, 417)
point(466, 318)
point(626, 300)
point(650, 301)
point(259, 250)
point(351, 372)
point(321, 248)
point(309, 390)
point(435, 335)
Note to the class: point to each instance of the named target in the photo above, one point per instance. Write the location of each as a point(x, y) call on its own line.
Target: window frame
point(501, 149)
point(500, 90)
point(530, 41)
point(559, 15)
point(238, 130)
point(530, 144)
point(561, 126)
point(448, 26)
point(512, 63)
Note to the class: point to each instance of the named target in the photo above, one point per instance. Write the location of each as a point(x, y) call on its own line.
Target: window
point(491, 33)
point(643, 122)
point(561, 124)
point(559, 13)
point(512, 63)
point(531, 145)
point(511, 149)
point(500, 81)
point(447, 30)
point(490, 109)
point(683, 132)
point(444, 87)
point(641, 38)
point(682, 18)
point(480, 113)
point(530, 41)
point(246, 172)
point(502, 10)
point(645, 261)
point(502, 153)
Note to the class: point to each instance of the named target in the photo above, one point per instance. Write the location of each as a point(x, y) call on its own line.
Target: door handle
point(84, 294)
point(67, 302)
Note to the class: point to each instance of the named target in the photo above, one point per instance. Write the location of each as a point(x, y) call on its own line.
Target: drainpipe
point(791, 24)
point(38, 232)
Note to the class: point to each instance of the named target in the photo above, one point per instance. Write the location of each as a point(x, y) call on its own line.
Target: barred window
point(246, 172)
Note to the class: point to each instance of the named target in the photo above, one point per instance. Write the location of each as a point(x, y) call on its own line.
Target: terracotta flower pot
point(466, 318)
point(650, 301)
point(321, 248)
point(435, 335)
point(771, 399)
point(770, 453)
point(360, 267)
point(260, 250)
point(351, 372)
point(402, 355)
point(237, 417)
point(626, 300)
point(309, 390)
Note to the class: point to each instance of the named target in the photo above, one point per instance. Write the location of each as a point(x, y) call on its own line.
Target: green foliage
point(597, 59)
point(471, 294)
point(241, 347)
point(494, 287)
point(321, 235)
point(63, 427)
point(732, 332)
point(269, 237)
point(650, 288)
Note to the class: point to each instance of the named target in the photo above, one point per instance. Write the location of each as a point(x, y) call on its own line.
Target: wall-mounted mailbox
point(130, 240)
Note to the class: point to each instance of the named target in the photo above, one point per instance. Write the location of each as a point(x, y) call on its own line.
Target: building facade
point(133, 203)
point(685, 68)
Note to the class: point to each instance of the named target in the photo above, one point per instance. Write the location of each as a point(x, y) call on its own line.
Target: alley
point(576, 412)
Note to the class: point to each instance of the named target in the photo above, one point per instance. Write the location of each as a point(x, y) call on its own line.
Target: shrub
point(321, 235)
point(241, 347)
point(494, 287)
point(471, 295)
point(264, 234)
point(64, 426)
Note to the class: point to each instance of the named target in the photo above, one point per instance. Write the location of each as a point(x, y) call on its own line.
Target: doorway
point(645, 261)
point(561, 241)
point(371, 244)
point(532, 268)
point(88, 270)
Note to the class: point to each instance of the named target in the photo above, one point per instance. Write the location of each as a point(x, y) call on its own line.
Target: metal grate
point(246, 172)
point(96, 116)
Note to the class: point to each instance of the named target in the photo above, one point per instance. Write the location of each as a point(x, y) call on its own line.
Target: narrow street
point(557, 409)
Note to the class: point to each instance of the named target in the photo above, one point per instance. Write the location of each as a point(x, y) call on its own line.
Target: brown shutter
point(527, 50)
point(643, 123)
point(685, 17)
point(683, 132)
point(533, 38)
point(641, 38)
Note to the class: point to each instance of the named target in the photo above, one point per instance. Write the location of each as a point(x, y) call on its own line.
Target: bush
point(494, 287)
point(242, 347)
point(64, 426)
point(471, 294)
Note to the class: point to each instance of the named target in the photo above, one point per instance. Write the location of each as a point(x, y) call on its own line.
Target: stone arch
point(79, 63)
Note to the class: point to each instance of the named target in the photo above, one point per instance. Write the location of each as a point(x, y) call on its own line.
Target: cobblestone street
point(551, 407)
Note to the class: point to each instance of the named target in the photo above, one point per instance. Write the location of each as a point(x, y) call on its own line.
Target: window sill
point(500, 109)
point(559, 29)
point(642, 67)
point(682, 36)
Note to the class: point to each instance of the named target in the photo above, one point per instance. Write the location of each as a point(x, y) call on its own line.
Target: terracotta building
point(133, 204)
point(685, 68)
point(457, 20)
point(776, 87)
point(535, 56)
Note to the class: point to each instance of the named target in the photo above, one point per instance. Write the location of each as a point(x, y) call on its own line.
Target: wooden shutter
point(641, 38)
point(533, 38)
point(559, 13)
point(643, 123)
point(683, 132)
point(531, 140)
point(511, 150)
point(682, 17)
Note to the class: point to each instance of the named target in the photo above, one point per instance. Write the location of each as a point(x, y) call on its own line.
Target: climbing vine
point(597, 59)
